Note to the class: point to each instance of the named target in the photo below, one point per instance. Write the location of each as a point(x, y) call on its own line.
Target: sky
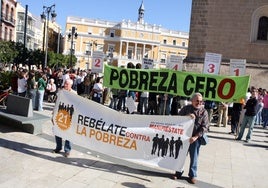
point(170, 14)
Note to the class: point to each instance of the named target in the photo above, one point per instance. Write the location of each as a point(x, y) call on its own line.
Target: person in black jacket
point(250, 115)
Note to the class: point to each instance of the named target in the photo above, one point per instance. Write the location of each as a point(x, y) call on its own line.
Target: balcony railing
point(8, 18)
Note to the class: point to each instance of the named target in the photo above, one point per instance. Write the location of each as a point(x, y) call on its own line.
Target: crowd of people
point(44, 85)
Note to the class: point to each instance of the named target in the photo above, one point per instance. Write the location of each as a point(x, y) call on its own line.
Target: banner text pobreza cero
point(212, 87)
point(151, 140)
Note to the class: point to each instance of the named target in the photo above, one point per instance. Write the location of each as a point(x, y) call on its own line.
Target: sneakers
point(66, 154)
point(177, 175)
point(55, 151)
point(192, 180)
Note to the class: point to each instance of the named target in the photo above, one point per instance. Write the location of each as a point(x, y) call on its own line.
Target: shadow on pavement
point(78, 162)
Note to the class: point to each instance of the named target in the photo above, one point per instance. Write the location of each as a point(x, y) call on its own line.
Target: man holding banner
point(199, 113)
point(67, 85)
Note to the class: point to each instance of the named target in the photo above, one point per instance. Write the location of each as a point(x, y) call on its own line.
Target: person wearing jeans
point(41, 86)
point(265, 109)
point(67, 146)
point(196, 111)
point(250, 115)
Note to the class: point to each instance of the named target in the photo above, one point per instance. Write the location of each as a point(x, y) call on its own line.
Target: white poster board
point(237, 67)
point(175, 62)
point(147, 63)
point(97, 62)
point(212, 63)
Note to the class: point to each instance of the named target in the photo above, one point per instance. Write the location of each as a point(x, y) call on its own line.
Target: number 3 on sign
point(211, 68)
point(97, 62)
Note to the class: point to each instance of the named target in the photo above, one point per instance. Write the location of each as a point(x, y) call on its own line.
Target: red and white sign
point(97, 62)
point(175, 63)
point(237, 67)
point(212, 63)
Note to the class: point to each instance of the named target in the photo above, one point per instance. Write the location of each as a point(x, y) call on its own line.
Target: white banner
point(152, 140)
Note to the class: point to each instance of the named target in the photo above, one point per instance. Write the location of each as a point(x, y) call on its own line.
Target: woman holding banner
point(199, 113)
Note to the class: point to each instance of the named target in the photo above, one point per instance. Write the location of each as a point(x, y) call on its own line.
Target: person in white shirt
point(22, 83)
point(97, 90)
point(144, 102)
point(51, 90)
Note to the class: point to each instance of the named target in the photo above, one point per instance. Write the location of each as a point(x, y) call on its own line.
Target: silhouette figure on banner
point(68, 108)
point(165, 147)
point(155, 143)
point(171, 147)
point(178, 146)
point(160, 145)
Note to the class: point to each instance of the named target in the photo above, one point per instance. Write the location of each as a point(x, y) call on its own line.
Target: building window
point(163, 58)
point(174, 42)
point(10, 34)
point(139, 54)
point(12, 15)
point(112, 33)
point(263, 28)
point(88, 49)
point(259, 24)
point(165, 41)
point(5, 34)
point(7, 12)
point(89, 30)
point(183, 44)
point(129, 53)
point(99, 47)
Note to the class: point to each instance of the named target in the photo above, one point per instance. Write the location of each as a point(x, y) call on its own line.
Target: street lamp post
point(45, 18)
point(90, 50)
point(71, 36)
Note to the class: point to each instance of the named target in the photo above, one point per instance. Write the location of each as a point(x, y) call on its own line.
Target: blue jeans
point(113, 103)
point(31, 93)
point(67, 145)
point(265, 117)
point(39, 100)
point(144, 103)
point(247, 120)
point(165, 110)
point(194, 153)
point(258, 120)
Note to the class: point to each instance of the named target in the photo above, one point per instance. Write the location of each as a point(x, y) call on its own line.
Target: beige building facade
point(123, 42)
point(235, 29)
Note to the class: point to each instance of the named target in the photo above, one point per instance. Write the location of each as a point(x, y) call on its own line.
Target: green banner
point(212, 87)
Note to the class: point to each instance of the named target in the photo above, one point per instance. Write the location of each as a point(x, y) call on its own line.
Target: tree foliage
point(16, 53)
point(7, 52)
